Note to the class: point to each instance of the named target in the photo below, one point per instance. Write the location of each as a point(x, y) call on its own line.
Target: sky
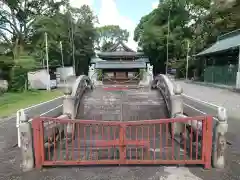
point(125, 13)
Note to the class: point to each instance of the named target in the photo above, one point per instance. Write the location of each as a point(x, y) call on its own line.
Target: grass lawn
point(11, 102)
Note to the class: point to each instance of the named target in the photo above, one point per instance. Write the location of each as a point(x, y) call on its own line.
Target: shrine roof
point(120, 65)
point(120, 50)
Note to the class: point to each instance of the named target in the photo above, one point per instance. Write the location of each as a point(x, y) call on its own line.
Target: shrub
point(19, 79)
point(99, 74)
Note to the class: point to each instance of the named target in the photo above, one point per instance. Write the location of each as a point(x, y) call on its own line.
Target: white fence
point(52, 108)
point(196, 107)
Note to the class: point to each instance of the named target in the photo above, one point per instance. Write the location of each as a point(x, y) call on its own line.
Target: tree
point(109, 35)
point(22, 28)
point(198, 21)
point(152, 33)
point(84, 37)
point(18, 16)
point(75, 29)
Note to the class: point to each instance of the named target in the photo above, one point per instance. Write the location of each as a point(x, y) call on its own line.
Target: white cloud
point(109, 15)
point(155, 4)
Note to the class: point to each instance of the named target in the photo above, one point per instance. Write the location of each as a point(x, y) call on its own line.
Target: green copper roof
point(120, 65)
point(95, 59)
point(225, 42)
point(143, 59)
point(120, 54)
point(120, 43)
point(119, 50)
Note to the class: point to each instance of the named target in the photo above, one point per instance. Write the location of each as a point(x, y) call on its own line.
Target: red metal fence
point(92, 142)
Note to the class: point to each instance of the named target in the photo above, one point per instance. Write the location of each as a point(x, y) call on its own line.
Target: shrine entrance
point(117, 76)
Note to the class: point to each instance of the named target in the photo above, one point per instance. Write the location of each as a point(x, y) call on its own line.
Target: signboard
point(121, 75)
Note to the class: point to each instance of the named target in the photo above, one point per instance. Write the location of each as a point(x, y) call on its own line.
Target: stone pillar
point(68, 103)
point(21, 117)
point(177, 101)
point(69, 109)
point(147, 76)
point(220, 141)
point(177, 108)
point(25, 131)
point(238, 81)
point(92, 74)
point(149, 73)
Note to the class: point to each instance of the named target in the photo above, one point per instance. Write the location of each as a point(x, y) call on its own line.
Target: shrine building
point(120, 64)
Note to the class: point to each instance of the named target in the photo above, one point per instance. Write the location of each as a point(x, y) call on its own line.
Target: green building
point(221, 60)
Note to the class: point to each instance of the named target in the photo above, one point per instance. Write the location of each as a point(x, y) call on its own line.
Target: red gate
point(92, 142)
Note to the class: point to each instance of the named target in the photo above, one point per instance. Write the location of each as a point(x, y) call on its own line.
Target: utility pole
point(187, 58)
point(46, 51)
point(73, 47)
point(61, 48)
point(169, 14)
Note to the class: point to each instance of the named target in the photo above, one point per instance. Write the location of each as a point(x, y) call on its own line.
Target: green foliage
point(18, 17)
point(152, 33)
point(18, 76)
point(108, 35)
point(10, 102)
point(74, 28)
point(99, 74)
point(196, 21)
point(6, 63)
point(29, 21)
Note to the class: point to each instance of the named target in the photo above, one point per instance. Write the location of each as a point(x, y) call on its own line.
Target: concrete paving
point(9, 152)
point(123, 105)
point(218, 96)
point(231, 101)
point(134, 104)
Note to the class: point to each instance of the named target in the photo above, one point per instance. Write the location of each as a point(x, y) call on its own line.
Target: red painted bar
point(89, 137)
